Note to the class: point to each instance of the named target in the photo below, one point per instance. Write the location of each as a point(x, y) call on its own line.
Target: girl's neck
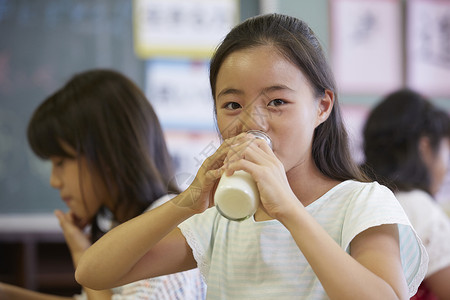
point(309, 184)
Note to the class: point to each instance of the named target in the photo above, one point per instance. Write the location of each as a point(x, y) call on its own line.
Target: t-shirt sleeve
point(376, 205)
point(182, 285)
point(199, 233)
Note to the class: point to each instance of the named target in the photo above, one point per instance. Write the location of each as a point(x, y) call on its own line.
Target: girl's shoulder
point(352, 190)
point(358, 204)
point(354, 185)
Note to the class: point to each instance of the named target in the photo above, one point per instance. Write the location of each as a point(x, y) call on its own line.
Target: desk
point(34, 255)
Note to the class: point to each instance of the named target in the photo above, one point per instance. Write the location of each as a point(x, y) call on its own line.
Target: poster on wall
point(189, 149)
point(366, 45)
point(181, 28)
point(180, 93)
point(428, 47)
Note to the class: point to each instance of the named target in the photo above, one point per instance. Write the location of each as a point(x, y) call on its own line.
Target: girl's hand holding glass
point(199, 195)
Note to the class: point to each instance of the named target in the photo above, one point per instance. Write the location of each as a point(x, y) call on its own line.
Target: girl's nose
point(255, 117)
point(55, 181)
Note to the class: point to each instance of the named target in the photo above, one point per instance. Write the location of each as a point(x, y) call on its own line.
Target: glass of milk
point(237, 196)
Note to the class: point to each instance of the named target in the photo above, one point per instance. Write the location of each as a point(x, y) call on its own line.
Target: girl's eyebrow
point(278, 87)
point(232, 91)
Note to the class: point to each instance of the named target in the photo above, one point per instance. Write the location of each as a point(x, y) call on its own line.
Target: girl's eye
point(232, 105)
point(58, 162)
point(276, 102)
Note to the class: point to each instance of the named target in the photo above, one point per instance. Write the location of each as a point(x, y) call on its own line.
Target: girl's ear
point(425, 150)
point(325, 106)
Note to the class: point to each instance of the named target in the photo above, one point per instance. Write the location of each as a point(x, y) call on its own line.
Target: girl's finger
point(255, 150)
point(59, 215)
point(216, 160)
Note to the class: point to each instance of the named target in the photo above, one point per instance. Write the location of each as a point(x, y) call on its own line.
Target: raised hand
point(199, 195)
point(257, 158)
point(77, 240)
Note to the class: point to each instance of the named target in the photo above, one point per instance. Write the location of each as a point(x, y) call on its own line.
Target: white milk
point(237, 196)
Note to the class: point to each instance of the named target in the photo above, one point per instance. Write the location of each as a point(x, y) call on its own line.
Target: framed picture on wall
point(366, 45)
point(180, 93)
point(188, 150)
point(428, 47)
point(174, 28)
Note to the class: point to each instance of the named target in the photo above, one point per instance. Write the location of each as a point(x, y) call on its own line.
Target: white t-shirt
point(187, 285)
point(431, 224)
point(260, 260)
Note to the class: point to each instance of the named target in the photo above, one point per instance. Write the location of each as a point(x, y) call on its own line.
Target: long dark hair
point(297, 42)
point(391, 139)
point(107, 119)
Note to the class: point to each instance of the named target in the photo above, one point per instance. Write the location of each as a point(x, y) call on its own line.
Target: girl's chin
point(80, 222)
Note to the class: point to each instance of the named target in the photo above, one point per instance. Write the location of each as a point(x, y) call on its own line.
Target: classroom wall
point(42, 43)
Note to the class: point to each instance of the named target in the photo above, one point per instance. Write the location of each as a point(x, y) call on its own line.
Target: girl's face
point(81, 190)
point(437, 163)
point(258, 88)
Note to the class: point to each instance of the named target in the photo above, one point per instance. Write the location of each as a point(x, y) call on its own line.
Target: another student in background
point(407, 148)
point(110, 163)
point(320, 232)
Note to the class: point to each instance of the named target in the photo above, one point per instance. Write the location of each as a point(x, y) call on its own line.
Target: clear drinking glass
point(237, 196)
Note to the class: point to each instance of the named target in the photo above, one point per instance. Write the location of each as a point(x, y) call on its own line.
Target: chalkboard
point(42, 44)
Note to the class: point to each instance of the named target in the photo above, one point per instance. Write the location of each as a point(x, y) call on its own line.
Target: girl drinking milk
point(321, 230)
